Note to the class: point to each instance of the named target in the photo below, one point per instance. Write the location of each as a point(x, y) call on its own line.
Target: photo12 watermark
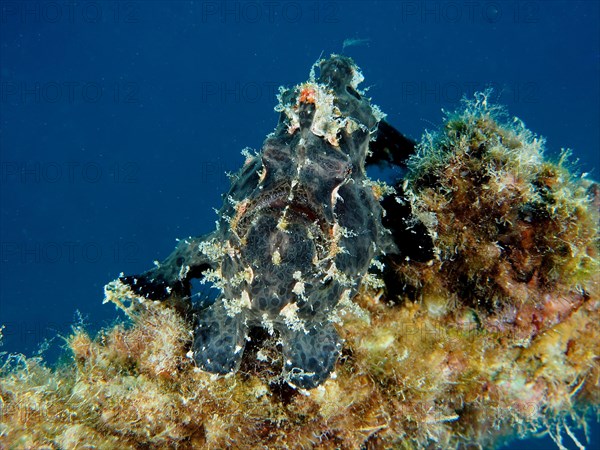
point(68, 252)
point(238, 92)
point(69, 12)
point(31, 333)
point(18, 172)
point(436, 12)
point(423, 92)
point(69, 92)
point(216, 174)
point(268, 12)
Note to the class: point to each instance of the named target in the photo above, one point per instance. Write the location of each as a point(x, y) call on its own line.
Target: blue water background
point(119, 119)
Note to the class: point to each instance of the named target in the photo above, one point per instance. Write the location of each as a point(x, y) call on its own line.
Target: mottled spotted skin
point(297, 233)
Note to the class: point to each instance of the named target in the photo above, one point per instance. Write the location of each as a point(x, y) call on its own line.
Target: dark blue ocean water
point(119, 119)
